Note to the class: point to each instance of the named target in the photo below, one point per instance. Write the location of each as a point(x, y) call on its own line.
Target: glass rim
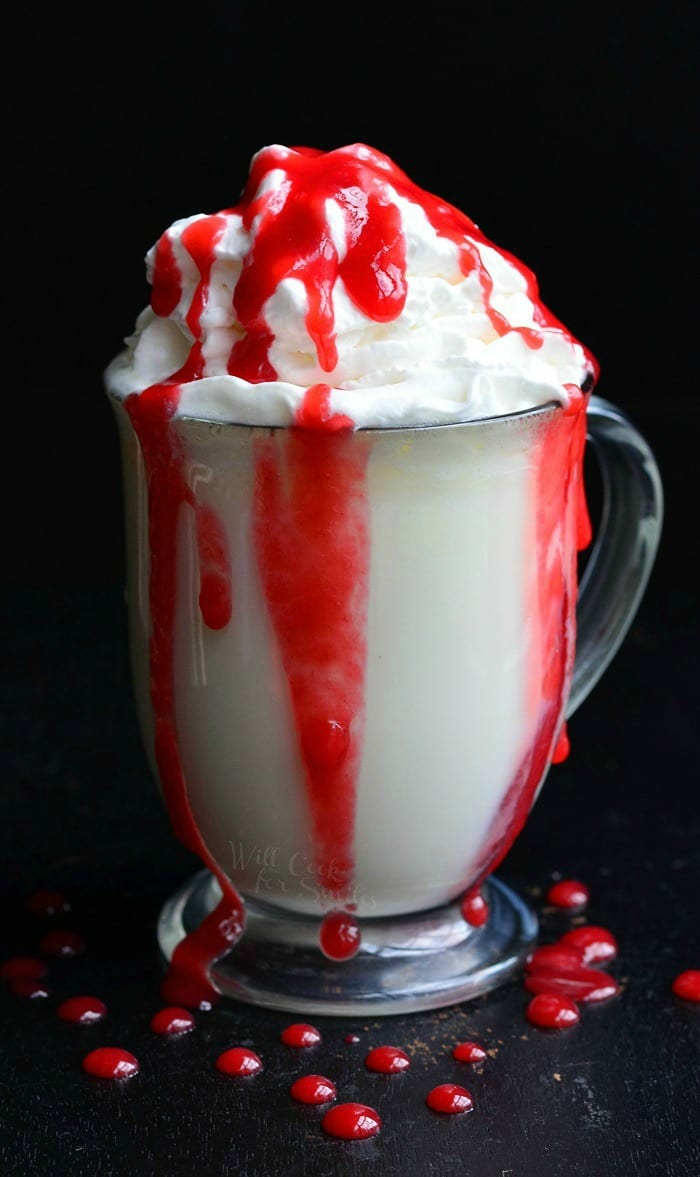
point(547, 407)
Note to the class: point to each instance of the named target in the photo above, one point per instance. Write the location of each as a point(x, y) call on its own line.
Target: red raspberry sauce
point(313, 1089)
point(449, 1098)
point(351, 1121)
point(111, 1062)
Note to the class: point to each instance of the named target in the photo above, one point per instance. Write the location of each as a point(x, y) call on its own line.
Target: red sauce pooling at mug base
point(172, 1021)
point(83, 1009)
point(569, 894)
point(469, 1052)
point(351, 1121)
point(551, 1011)
point(111, 1062)
point(62, 942)
point(687, 985)
point(23, 967)
point(300, 1034)
point(340, 936)
point(313, 1089)
point(388, 1060)
point(239, 1060)
point(449, 1098)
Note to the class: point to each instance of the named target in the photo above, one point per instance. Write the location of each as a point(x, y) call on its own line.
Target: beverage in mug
point(353, 442)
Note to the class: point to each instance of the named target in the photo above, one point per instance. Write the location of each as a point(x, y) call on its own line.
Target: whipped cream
point(337, 293)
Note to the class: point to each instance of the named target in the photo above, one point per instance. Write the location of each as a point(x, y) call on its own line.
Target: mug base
point(405, 964)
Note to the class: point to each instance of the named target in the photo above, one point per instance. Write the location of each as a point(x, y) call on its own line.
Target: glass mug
point(353, 657)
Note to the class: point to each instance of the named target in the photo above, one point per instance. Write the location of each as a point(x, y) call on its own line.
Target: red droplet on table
point(550, 1011)
point(687, 985)
point(82, 1009)
point(581, 984)
point(111, 1062)
point(568, 893)
point(351, 1121)
point(47, 902)
point(29, 987)
point(596, 944)
point(62, 942)
point(238, 1060)
point(23, 967)
point(300, 1034)
point(388, 1060)
point(469, 1052)
point(172, 1021)
point(313, 1089)
point(449, 1098)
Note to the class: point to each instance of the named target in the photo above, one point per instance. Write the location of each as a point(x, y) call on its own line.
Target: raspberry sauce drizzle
point(187, 981)
point(563, 525)
point(312, 543)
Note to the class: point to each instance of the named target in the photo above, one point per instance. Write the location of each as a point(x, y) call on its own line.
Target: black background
point(568, 133)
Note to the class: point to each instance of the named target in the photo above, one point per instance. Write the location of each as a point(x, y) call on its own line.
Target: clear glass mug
point(353, 660)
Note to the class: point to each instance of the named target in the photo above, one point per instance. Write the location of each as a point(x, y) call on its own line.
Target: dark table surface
point(617, 1095)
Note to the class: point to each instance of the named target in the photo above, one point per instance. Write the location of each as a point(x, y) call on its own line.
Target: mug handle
point(625, 546)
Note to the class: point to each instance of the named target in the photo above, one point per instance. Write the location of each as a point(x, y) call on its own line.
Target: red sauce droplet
point(172, 1020)
point(550, 1011)
point(47, 903)
point(82, 1009)
point(315, 411)
point(23, 967)
point(111, 1062)
point(61, 942)
point(449, 1098)
point(580, 983)
point(595, 944)
point(238, 1060)
point(325, 742)
point(313, 1089)
point(215, 586)
point(568, 893)
point(469, 1052)
point(562, 747)
point(351, 1039)
point(351, 1121)
point(687, 985)
point(300, 1034)
point(553, 957)
point(339, 937)
point(388, 1060)
point(475, 909)
point(29, 987)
